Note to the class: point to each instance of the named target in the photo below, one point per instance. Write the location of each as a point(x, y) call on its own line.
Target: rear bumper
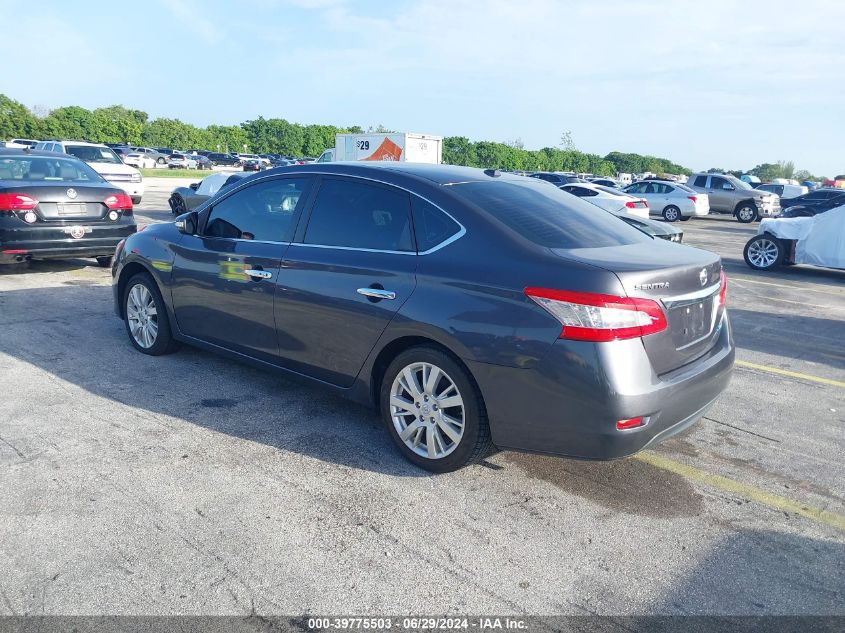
point(36, 242)
point(570, 402)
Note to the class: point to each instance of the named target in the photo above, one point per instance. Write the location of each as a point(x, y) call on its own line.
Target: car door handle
point(258, 274)
point(376, 293)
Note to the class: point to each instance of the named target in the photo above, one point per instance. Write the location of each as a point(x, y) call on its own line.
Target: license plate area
point(691, 322)
point(71, 208)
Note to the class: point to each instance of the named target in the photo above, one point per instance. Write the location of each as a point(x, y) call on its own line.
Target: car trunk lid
point(685, 281)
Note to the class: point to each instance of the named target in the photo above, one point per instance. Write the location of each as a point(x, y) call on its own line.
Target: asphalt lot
point(189, 484)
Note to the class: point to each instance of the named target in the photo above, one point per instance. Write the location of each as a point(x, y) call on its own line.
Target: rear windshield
point(93, 154)
point(37, 168)
point(548, 216)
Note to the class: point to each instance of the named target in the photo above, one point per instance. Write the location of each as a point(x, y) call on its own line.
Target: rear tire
point(746, 213)
point(671, 213)
point(104, 262)
point(458, 430)
point(142, 305)
point(763, 252)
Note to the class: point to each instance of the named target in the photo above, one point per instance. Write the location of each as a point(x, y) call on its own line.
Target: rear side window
point(431, 225)
point(262, 212)
point(547, 216)
point(360, 215)
point(700, 181)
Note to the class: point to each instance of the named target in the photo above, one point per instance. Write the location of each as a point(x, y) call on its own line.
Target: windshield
point(37, 168)
point(93, 154)
point(739, 184)
point(548, 216)
point(611, 191)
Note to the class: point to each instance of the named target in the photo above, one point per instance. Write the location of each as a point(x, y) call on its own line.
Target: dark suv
point(230, 160)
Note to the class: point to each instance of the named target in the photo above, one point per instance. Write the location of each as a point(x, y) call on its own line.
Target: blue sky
point(707, 84)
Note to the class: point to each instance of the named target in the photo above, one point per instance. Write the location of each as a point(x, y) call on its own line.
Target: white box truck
point(404, 147)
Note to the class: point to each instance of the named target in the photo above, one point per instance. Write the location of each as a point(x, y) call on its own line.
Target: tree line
point(117, 124)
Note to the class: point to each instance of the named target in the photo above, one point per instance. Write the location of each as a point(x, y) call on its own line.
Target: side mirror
point(194, 185)
point(187, 223)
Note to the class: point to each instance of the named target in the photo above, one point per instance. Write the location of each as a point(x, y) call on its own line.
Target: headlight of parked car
point(135, 178)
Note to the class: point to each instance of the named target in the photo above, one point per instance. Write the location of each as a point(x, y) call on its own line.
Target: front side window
point(262, 212)
point(360, 215)
point(718, 183)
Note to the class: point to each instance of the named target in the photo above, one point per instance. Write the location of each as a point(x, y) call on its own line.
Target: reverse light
point(586, 316)
point(630, 423)
point(118, 201)
point(17, 202)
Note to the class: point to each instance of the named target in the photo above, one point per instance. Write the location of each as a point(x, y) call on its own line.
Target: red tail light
point(693, 198)
point(17, 202)
point(595, 317)
point(637, 204)
point(723, 291)
point(118, 201)
point(630, 423)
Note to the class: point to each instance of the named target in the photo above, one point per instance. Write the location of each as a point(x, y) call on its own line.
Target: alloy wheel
point(763, 253)
point(142, 315)
point(746, 214)
point(427, 410)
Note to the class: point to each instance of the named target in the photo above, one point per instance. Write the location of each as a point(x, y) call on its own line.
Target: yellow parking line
point(791, 374)
point(753, 493)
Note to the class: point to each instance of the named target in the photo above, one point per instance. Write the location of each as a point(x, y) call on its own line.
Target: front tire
point(145, 316)
point(434, 411)
point(763, 252)
point(177, 204)
point(160, 160)
point(671, 213)
point(746, 213)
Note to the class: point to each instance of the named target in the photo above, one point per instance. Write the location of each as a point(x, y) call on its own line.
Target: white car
point(21, 143)
point(104, 161)
point(141, 161)
point(818, 240)
point(784, 191)
point(608, 199)
point(670, 200)
point(181, 161)
point(246, 157)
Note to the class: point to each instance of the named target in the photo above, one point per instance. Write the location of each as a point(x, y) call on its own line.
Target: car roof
point(13, 151)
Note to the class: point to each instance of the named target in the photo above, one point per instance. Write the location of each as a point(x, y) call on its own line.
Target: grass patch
point(199, 174)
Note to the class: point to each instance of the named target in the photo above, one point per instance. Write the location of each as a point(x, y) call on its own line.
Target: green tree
point(173, 133)
point(119, 125)
point(787, 168)
point(16, 120)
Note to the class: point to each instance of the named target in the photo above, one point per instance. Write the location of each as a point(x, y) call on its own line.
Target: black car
point(472, 308)
point(55, 206)
point(252, 165)
point(813, 202)
point(229, 160)
point(555, 178)
point(203, 162)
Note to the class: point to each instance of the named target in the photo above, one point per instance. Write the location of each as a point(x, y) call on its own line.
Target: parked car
point(556, 178)
point(159, 157)
point(21, 143)
point(56, 206)
point(246, 157)
point(670, 200)
point(660, 230)
point(104, 161)
point(608, 199)
point(166, 151)
point(728, 194)
point(184, 199)
point(252, 165)
point(139, 160)
point(813, 202)
point(366, 278)
point(783, 191)
point(228, 160)
point(203, 162)
point(818, 240)
point(181, 161)
point(607, 182)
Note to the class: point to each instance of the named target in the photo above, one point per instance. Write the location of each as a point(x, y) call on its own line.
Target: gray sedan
point(184, 199)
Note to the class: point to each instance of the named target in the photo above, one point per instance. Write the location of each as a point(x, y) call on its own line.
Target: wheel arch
point(742, 203)
point(127, 272)
point(389, 352)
